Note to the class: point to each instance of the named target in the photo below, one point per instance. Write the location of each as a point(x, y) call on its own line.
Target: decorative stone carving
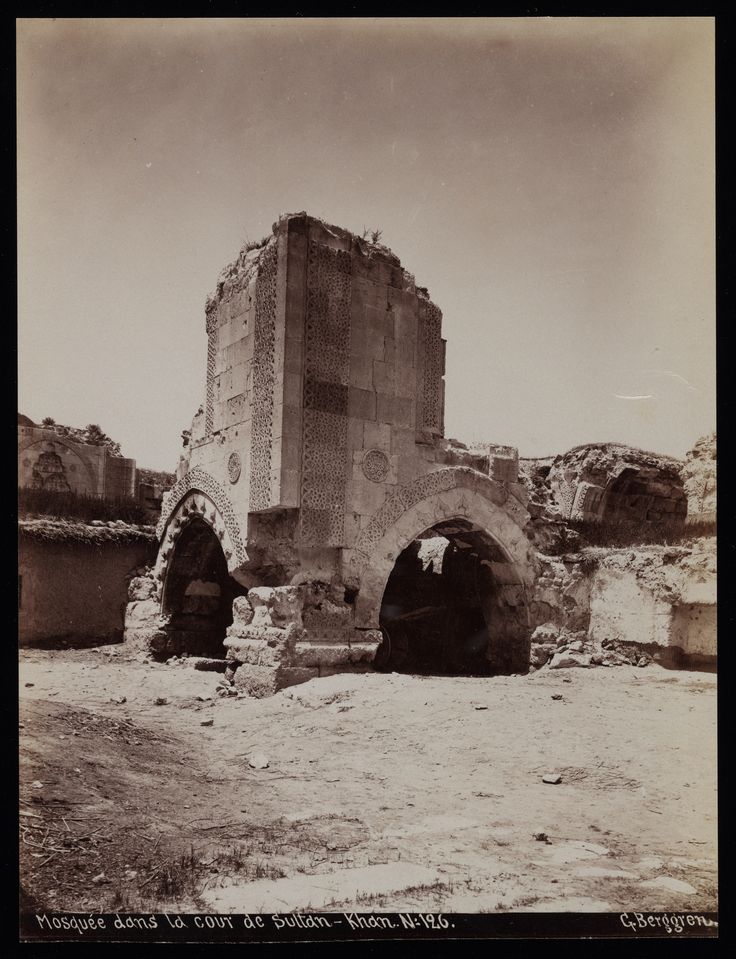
point(198, 479)
point(430, 392)
point(326, 379)
point(209, 412)
point(264, 381)
point(233, 467)
point(437, 481)
point(375, 466)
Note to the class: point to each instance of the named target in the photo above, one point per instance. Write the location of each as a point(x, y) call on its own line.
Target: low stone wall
point(282, 636)
point(73, 580)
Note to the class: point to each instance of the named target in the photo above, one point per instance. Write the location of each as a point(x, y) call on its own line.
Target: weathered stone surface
point(362, 652)
point(146, 639)
point(142, 613)
point(540, 654)
point(699, 480)
point(546, 633)
point(276, 606)
point(567, 660)
point(640, 597)
point(142, 588)
point(313, 654)
point(610, 482)
point(257, 652)
point(242, 611)
point(271, 635)
point(260, 681)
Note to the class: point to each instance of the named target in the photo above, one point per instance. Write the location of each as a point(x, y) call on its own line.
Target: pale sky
point(551, 181)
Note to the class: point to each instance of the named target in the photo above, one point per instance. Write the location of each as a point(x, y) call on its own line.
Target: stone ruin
point(313, 467)
point(320, 521)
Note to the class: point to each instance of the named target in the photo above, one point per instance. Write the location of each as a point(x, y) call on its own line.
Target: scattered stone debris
point(207, 722)
point(258, 761)
point(552, 778)
point(567, 660)
point(119, 700)
point(557, 696)
point(542, 837)
point(160, 701)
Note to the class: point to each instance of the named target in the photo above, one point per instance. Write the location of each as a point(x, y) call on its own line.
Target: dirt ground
point(151, 803)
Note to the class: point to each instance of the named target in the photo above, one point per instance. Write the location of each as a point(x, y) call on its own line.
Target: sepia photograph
point(366, 478)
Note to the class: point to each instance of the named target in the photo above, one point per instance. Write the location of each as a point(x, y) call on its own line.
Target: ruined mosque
point(320, 520)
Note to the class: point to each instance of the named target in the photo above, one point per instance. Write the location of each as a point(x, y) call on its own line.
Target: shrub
point(43, 502)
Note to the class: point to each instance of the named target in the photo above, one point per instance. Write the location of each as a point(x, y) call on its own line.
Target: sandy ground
point(152, 803)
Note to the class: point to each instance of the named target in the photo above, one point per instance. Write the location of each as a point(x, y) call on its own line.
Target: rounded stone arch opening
point(84, 481)
point(640, 496)
point(194, 565)
point(486, 550)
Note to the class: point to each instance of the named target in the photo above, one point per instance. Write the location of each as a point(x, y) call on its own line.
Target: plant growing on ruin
point(67, 504)
point(95, 436)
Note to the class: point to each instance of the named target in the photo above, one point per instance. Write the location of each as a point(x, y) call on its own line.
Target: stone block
point(565, 660)
point(384, 377)
point(384, 407)
point(292, 389)
point(366, 497)
point(290, 487)
point(363, 652)
point(255, 652)
point(290, 456)
point(377, 436)
point(403, 411)
point(272, 635)
point(355, 433)
point(236, 409)
point(260, 681)
point(145, 612)
point(380, 326)
point(402, 442)
point(406, 353)
point(541, 653)
point(546, 633)
point(324, 613)
point(315, 654)
point(277, 605)
point(242, 611)
point(361, 404)
point(145, 639)
point(361, 371)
